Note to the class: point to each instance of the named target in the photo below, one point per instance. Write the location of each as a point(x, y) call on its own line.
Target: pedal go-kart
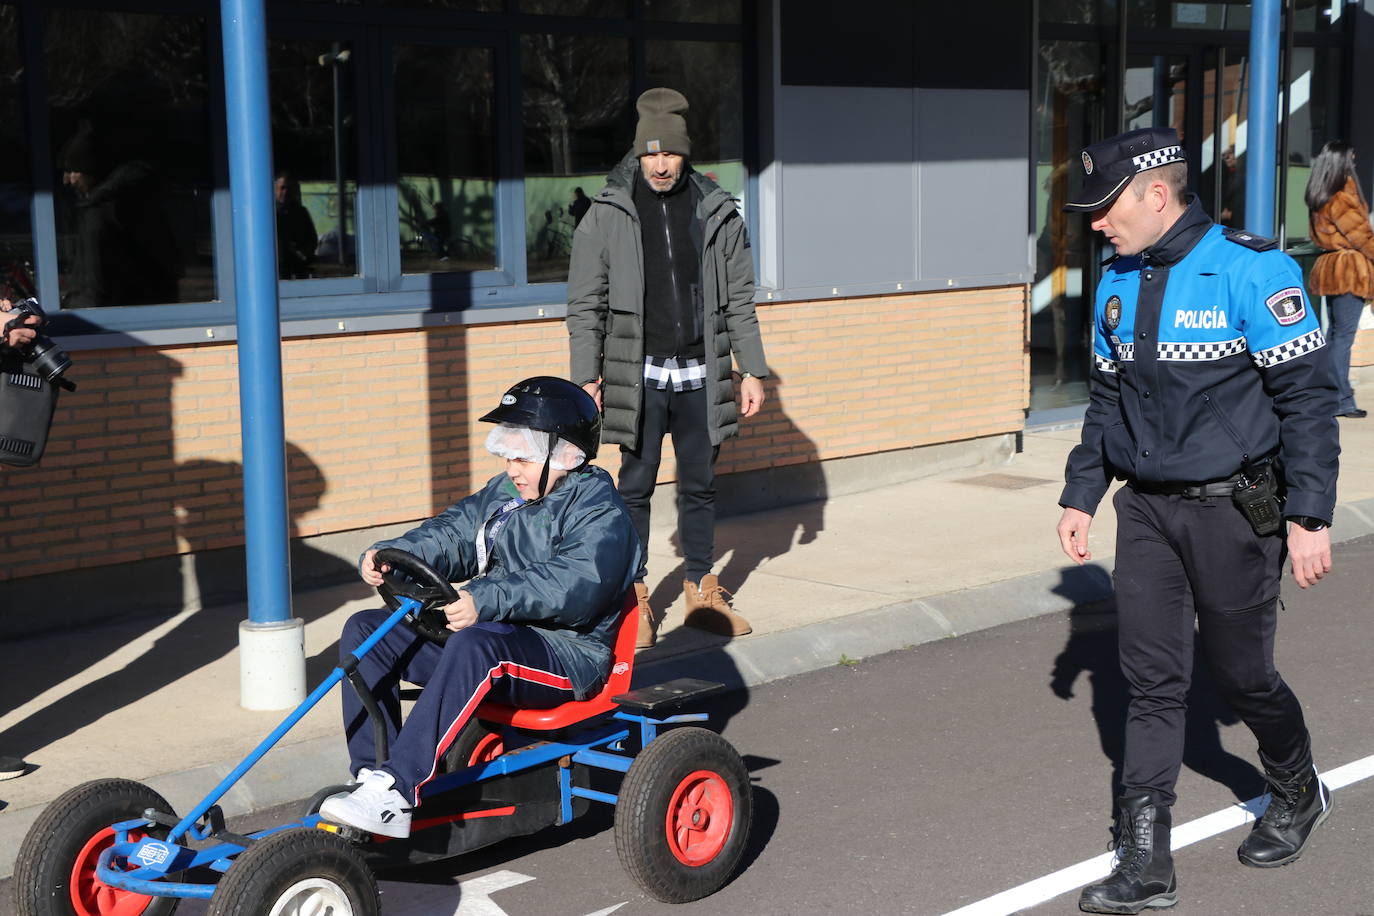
point(683, 804)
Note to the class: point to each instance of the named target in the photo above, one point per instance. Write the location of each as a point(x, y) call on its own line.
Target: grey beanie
point(662, 127)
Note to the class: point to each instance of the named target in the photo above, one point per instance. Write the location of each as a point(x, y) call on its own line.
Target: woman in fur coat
point(1345, 273)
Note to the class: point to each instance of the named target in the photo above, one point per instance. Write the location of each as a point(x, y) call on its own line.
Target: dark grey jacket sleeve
point(588, 298)
point(741, 319)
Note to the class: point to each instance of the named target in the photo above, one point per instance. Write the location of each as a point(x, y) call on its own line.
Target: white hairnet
point(524, 444)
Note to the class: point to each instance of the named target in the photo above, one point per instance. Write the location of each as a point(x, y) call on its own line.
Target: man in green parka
point(660, 296)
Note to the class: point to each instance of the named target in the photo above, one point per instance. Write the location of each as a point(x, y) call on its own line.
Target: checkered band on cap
point(1294, 348)
point(1155, 158)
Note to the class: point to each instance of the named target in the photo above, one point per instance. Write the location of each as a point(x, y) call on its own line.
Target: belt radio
point(1257, 496)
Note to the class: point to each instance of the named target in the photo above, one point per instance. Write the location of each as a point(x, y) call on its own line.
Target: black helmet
point(554, 405)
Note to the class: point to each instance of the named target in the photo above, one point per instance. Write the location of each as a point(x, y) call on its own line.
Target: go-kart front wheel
point(302, 871)
point(54, 873)
point(683, 816)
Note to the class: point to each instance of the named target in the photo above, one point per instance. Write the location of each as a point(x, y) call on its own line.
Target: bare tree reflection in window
point(576, 105)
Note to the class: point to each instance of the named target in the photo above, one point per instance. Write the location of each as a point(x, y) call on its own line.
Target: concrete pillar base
point(271, 664)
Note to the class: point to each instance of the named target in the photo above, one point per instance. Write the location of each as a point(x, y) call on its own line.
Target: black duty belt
point(1189, 490)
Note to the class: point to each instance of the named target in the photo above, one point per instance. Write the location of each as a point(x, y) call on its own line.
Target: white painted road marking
point(475, 894)
point(1066, 879)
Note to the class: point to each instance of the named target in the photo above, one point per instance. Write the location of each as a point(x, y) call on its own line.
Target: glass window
point(1079, 12)
point(1314, 118)
point(16, 191)
point(692, 10)
point(127, 95)
point(604, 9)
point(313, 147)
point(467, 6)
point(445, 153)
point(575, 97)
point(710, 75)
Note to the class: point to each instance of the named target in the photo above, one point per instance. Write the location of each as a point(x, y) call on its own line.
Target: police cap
point(1110, 165)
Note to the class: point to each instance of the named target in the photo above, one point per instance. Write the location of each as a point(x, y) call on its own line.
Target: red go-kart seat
point(570, 713)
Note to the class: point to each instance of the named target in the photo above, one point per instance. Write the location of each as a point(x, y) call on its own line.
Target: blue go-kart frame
point(683, 805)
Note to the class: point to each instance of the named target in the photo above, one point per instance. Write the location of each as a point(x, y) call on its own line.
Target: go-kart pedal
point(374, 806)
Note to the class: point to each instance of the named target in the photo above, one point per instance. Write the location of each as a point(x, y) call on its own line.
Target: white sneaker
point(375, 806)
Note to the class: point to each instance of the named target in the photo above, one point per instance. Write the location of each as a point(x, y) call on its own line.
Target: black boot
point(1144, 873)
point(1298, 803)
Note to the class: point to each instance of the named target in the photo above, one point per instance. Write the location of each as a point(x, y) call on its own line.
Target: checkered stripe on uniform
point(1290, 350)
point(1104, 365)
point(1312, 340)
point(1156, 158)
point(1192, 351)
point(1125, 352)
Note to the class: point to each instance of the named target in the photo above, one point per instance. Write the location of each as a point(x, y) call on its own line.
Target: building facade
point(896, 164)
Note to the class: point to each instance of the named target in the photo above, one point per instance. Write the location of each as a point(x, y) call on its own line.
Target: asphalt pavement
point(854, 575)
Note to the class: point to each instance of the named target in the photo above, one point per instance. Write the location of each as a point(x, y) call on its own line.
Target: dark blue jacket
point(1207, 354)
point(562, 564)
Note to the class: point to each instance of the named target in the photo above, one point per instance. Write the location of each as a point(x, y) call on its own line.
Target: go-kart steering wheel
point(426, 586)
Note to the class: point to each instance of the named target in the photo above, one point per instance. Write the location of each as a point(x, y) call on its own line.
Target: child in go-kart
point(547, 551)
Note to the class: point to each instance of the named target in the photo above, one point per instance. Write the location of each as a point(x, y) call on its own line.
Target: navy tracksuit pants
point(501, 662)
point(1181, 559)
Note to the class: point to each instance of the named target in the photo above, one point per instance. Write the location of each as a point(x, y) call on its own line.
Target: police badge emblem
point(1287, 306)
point(1111, 315)
point(1087, 163)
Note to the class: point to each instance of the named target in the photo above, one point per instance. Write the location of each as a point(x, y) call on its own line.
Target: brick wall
point(143, 460)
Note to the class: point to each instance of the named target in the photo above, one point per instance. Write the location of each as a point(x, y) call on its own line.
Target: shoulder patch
point(1249, 239)
point(1287, 306)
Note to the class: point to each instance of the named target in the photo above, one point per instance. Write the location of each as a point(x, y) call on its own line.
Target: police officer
point(1214, 398)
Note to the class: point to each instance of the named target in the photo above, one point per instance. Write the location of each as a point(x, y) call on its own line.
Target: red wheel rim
point(93, 897)
point(700, 814)
point(488, 748)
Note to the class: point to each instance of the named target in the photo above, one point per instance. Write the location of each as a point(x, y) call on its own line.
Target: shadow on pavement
point(1091, 650)
point(199, 639)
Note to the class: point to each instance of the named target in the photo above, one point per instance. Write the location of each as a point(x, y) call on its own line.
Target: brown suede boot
point(648, 626)
point(708, 609)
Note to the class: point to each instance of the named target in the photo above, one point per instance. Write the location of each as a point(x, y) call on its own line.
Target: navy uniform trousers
point(501, 662)
point(1180, 559)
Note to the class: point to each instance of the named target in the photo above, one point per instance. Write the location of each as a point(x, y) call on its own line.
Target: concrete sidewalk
point(853, 575)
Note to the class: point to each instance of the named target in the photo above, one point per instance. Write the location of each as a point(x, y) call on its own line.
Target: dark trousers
point(1343, 321)
point(497, 661)
point(1178, 560)
point(682, 414)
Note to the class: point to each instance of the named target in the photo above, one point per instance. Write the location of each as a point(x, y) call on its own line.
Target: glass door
point(1070, 114)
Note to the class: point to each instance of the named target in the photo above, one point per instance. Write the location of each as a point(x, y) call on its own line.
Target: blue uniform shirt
point(1207, 355)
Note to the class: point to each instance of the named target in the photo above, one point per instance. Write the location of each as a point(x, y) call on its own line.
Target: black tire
point(475, 744)
point(693, 778)
point(54, 873)
point(296, 865)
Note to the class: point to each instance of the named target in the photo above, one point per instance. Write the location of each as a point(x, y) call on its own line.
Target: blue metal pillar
point(259, 331)
point(1261, 128)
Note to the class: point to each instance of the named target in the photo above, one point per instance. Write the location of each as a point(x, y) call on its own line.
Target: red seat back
point(574, 711)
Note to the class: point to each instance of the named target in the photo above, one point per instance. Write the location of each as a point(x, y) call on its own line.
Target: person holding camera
point(11, 340)
point(20, 336)
point(1214, 398)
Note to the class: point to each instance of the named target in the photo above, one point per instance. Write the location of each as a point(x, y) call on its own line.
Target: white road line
point(1066, 879)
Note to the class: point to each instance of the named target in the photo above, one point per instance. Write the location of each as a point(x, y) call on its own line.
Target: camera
point(46, 357)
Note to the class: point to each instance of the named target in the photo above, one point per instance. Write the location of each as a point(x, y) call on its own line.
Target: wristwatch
point(1309, 522)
